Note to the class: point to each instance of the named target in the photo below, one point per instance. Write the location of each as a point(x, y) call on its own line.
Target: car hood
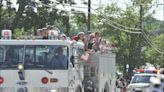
point(138, 85)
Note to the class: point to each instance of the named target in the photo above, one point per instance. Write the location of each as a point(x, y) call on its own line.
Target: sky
point(159, 11)
point(158, 14)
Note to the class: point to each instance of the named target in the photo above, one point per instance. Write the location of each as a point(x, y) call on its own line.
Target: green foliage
point(18, 32)
point(143, 2)
point(151, 55)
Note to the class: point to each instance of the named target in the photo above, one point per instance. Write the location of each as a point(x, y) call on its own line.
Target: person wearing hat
point(97, 41)
point(79, 36)
point(39, 32)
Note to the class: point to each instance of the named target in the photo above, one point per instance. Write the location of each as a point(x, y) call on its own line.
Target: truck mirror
point(75, 54)
point(72, 59)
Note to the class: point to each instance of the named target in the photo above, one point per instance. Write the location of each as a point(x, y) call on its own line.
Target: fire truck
point(26, 65)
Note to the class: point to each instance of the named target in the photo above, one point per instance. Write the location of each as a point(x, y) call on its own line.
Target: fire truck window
point(38, 56)
point(42, 57)
point(58, 57)
point(29, 52)
point(1, 54)
point(92, 71)
point(86, 71)
point(14, 54)
point(10, 56)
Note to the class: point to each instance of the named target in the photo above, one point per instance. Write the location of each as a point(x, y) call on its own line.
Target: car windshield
point(141, 79)
point(34, 57)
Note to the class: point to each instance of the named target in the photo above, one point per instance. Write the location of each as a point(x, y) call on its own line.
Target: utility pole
point(0, 13)
point(89, 15)
point(141, 29)
point(141, 17)
point(163, 33)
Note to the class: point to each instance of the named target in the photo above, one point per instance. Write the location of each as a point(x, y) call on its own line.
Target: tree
point(19, 13)
point(130, 46)
point(152, 55)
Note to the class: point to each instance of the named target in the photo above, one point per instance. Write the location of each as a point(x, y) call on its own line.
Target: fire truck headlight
point(20, 66)
point(54, 90)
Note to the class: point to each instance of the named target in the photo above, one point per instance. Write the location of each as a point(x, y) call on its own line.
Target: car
point(140, 82)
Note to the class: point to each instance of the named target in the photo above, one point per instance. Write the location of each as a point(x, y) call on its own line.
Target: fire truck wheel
point(78, 89)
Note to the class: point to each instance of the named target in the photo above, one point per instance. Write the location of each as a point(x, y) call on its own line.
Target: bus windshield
point(34, 56)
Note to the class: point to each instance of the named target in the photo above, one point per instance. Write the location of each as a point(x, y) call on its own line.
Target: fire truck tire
point(78, 89)
point(106, 88)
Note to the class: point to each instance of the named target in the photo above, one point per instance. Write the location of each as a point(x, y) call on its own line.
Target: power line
point(137, 29)
point(147, 37)
point(127, 31)
point(152, 45)
point(144, 34)
point(71, 5)
point(60, 9)
point(129, 28)
point(124, 30)
point(103, 17)
point(149, 42)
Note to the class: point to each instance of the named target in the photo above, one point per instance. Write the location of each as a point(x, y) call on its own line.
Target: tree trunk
point(132, 62)
point(21, 8)
point(65, 20)
point(67, 25)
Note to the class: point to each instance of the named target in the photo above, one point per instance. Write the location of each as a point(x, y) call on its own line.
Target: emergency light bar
point(146, 71)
